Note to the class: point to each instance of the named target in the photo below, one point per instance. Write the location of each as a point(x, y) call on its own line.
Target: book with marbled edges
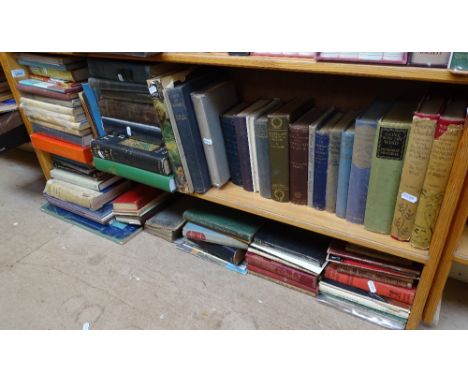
point(366, 126)
point(387, 162)
point(344, 170)
point(447, 135)
point(415, 164)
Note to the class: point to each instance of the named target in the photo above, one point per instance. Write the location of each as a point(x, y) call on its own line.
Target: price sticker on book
point(371, 286)
point(18, 73)
point(408, 197)
point(129, 131)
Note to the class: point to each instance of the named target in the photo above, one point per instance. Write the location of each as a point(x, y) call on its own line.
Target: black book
point(83, 141)
point(229, 254)
point(138, 131)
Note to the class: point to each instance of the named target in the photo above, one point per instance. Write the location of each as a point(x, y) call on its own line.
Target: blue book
point(366, 126)
point(117, 232)
point(93, 108)
point(344, 170)
point(187, 127)
point(102, 215)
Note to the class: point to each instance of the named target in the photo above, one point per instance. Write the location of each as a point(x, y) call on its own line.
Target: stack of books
point(398, 58)
point(376, 286)
point(288, 255)
point(138, 204)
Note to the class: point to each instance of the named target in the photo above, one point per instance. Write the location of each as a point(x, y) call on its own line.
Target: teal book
point(344, 170)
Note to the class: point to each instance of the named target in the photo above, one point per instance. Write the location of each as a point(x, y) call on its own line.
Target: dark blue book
point(344, 170)
point(187, 126)
point(117, 232)
point(93, 107)
point(320, 170)
point(135, 130)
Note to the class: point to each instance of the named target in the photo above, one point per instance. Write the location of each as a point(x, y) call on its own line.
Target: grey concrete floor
point(57, 276)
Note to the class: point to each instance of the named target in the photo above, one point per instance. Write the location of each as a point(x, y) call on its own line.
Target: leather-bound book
point(135, 130)
point(129, 111)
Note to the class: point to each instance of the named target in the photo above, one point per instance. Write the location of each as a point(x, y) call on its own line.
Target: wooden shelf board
point(461, 254)
point(311, 219)
point(295, 64)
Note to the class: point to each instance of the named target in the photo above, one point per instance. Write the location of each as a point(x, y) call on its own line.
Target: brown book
point(446, 137)
point(420, 141)
point(84, 105)
point(129, 111)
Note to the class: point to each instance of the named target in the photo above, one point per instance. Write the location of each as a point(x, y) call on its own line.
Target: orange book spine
point(64, 149)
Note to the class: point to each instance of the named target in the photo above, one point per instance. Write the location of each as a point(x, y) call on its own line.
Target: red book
point(46, 93)
point(64, 149)
point(381, 289)
point(283, 270)
point(136, 198)
point(281, 280)
point(60, 85)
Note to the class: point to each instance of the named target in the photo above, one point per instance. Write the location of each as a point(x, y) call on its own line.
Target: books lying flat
point(136, 198)
point(198, 233)
point(163, 182)
point(102, 215)
point(51, 86)
point(72, 103)
point(76, 167)
point(229, 254)
point(43, 105)
point(117, 232)
point(75, 122)
point(64, 149)
point(83, 141)
point(138, 131)
point(25, 88)
point(84, 180)
point(52, 60)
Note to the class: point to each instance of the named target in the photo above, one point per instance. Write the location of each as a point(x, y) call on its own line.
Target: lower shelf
point(311, 219)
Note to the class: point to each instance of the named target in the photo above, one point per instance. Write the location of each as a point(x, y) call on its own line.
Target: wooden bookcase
point(347, 86)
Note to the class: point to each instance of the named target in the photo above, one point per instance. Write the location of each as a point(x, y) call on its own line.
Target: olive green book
point(387, 161)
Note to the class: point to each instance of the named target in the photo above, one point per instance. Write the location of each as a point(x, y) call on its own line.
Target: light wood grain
point(461, 254)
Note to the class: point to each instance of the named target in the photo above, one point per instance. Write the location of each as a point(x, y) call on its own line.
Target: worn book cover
point(45, 92)
point(197, 232)
point(64, 149)
point(81, 180)
point(129, 111)
point(62, 129)
point(31, 102)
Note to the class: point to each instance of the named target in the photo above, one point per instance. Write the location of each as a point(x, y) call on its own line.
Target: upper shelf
point(307, 65)
point(461, 254)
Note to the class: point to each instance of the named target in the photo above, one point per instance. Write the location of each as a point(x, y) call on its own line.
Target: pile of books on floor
point(369, 284)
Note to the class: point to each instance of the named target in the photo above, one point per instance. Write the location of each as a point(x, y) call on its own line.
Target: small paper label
point(371, 286)
point(18, 73)
point(410, 198)
point(129, 131)
point(100, 154)
point(152, 89)
point(121, 78)
point(207, 141)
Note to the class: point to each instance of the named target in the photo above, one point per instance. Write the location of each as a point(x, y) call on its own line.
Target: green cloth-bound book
point(149, 178)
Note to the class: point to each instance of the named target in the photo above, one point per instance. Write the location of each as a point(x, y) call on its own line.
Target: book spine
point(278, 129)
point(414, 170)
point(73, 178)
point(281, 270)
point(231, 255)
point(230, 142)
point(344, 170)
point(160, 106)
point(129, 111)
point(360, 171)
point(45, 92)
point(57, 134)
point(311, 165)
point(59, 191)
point(51, 107)
point(253, 152)
point(298, 163)
point(243, 152)
point(387, 162)
point(91, 101)
point(190, 139)
point(199, 233)
point(446, 138)
point(155, 161)
point(332, 170)
point(63, 149)
point(381, 289)
point(263, 157)
point(322, 140)
point(50, 72)
point(165, 183)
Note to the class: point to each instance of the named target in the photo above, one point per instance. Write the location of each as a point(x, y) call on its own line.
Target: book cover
point(30, 102)
point(52, 126)
point(136, 197)
point(77, 75)
point(129, 111)
point(76, 122)
point(366, 126)
point(386, 165)
point(84, 180)
point(344, 170)
point(420, 141)
point(83, 141)
point(93, 106)
point(430, 59)
point(64, 149)
point(229, 254)
point(87, 113)
point(446, 137)
point(209, 104)
point(49, 85)
point(45, 92)
point(197, 232)
point(72, 103)
point(278, 140)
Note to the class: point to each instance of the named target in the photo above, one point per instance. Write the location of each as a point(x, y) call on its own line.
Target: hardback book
point(93, 106)
point(136, 198)
point(230, 254)
point(324, 116)
point(52, 126)
point(83, 180)
point(74, 166)
point(334, 148)
point(371, 57)
point(420, 141)
point(230, 141)
point(23, 88)
point(102, 215)
point(129, 111)
point(87, 113)
point(242, 140)
point(79, 74)
point(45, 105)
point(164, 182)
point(61, 62)
point(70, 85)
point(320, 155)
point(83, 196)
point(78, 122)
point(447, 135)
point(344, 170)
point(278, 140)
point(226, 220)
point(157, 88)
point(123, 91)
point(45, 83)
point(64, 149)
point(198, 233)
point(72, 103)
point(187, 126)
point(386, 165)
point(253, 152)
point(209, 104)
point(431, 59)
point(135, 130)
point(458, 63)
point(129, 151)
point(366, 126)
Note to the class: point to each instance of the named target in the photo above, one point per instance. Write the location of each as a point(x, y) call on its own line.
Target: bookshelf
point(329, 84)
point(461, 254)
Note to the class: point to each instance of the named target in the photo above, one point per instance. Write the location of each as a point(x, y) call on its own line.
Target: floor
point(57, 276)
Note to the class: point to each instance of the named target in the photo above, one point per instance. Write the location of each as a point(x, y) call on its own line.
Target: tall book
point(278, 139)
point(387, 162)
point(366, 126)
point(344, 170)
point(230, 141)
point(447, 135)
point(324, 116)
point(93, 106)
point(415, 164)
point(322, 143)
point(209, 104)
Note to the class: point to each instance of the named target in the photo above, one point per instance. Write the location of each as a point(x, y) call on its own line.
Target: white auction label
point(18, 73)
point(152, 89)
point(207, 141)
point(371, 286)
point(410, 198)
point(121, 78)
point(129, 131)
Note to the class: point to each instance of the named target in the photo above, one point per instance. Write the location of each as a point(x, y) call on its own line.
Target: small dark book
point(138, 131)
point(229, 254)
